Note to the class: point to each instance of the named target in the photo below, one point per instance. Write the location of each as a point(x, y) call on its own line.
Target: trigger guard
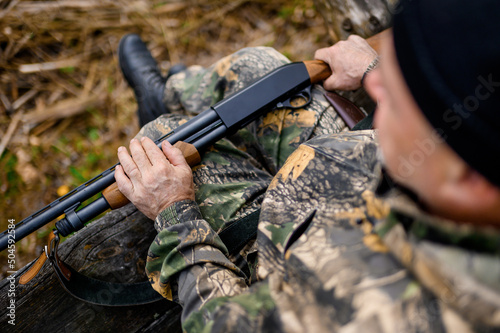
point(305, 94)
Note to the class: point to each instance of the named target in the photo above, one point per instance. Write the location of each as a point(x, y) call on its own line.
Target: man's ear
point(474, 197)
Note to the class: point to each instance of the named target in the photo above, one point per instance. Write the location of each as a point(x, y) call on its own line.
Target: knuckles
point(354, 38)
point(162, 168)
point(133, 172)
point(153, 187)
point(148, 179)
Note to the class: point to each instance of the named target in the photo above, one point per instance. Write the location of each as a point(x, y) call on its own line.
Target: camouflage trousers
point(235, 172)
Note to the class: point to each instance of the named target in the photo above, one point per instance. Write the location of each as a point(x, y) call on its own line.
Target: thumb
point(173, 154)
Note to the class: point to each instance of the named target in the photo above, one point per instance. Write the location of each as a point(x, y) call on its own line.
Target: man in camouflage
point(345, 242)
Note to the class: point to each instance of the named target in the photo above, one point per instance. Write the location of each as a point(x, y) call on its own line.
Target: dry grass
point(64, 106)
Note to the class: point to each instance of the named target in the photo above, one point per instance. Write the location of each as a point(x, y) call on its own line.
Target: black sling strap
point(126, 294)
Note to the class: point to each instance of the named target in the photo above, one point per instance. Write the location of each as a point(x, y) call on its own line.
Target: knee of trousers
point(249, 64)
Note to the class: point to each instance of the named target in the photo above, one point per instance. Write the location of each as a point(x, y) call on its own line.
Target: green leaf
point(76, 174)
point(67, 70)
point(286, 12)
point(94, 134)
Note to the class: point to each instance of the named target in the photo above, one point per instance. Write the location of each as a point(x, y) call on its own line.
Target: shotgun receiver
point(223, 118)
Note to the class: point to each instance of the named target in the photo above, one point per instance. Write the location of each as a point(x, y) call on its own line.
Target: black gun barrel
point(98, 184)
point(57, 208)
point(75, 220)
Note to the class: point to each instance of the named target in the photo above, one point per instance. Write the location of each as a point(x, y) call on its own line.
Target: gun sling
point(126, 294)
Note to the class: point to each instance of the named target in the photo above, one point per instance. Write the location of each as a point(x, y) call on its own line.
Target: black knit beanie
point(449, 53)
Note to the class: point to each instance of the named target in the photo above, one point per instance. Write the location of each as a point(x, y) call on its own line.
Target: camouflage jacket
point(340, 248)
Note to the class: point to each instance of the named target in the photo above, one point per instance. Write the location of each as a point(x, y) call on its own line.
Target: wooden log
point(361, 17)
point(112, 248)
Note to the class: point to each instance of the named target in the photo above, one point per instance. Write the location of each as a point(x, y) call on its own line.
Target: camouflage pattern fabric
point(340, 248)
point(234, 173)
point(351, 252)
point(459, 263)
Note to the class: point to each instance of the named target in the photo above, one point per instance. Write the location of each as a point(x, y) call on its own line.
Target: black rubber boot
point(143, 75)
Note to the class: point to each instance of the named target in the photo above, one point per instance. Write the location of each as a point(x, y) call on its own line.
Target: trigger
point(305, 94)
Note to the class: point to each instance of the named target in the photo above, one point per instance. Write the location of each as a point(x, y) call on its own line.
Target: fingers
point(325, 54)
point(331, 83)
point(146, 156)
point(348, 61)
point(173, 154)
point(128, 164)
point(124, 184)
point(357, 40)
point(151, 179)
point(154, 153)
point(321, 54)
point(139, 155)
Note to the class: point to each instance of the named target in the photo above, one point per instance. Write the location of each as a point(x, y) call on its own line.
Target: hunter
point(387, 230)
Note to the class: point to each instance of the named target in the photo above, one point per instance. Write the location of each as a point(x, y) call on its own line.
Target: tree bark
point(112, 248)
point(361, 17)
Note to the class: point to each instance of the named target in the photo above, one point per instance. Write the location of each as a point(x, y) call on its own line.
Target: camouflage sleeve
point(252, 311)
point(181, 211)
point(187, 262)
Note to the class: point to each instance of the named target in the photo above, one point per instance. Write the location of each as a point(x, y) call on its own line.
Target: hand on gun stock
point(348, 61)
point(153, 179)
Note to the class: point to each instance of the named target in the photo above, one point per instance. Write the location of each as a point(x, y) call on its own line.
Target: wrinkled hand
point(151, 179)
point(348, 61)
